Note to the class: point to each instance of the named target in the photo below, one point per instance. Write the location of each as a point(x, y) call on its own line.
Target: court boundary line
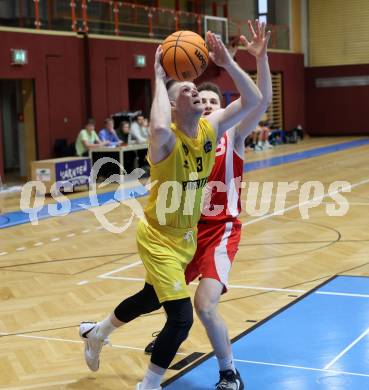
point(247, 331)
point(107, 275)
point(48, 338)
point(301, 367)
point(345, 350)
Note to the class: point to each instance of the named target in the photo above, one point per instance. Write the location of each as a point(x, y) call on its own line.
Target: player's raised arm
point(161, 138)
point(258, 48)
point(250, 97)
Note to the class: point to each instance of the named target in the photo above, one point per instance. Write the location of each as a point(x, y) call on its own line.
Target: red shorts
point(217, 245)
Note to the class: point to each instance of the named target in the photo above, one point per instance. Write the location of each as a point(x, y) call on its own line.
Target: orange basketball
point(185, 55)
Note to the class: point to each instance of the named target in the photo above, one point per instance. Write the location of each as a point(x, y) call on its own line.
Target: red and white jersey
point(222, 199)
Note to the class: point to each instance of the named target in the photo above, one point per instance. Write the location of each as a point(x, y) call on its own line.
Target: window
point(262, 10)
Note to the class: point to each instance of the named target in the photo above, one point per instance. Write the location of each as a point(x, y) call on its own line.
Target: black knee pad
point(180, 316)
point(175, 331)
point(145, 301)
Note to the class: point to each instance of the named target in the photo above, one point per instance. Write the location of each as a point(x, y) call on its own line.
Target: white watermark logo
point(119, 197)
point(310, 195)
point(35, 192)
point(260, 198)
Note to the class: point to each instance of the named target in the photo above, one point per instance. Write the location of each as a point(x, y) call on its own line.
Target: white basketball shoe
point(93, 344)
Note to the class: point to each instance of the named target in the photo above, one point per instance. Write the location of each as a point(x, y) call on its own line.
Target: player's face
point(210, 102)
point(188, 98)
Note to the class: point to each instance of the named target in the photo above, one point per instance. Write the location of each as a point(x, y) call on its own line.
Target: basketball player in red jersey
point(219, 229)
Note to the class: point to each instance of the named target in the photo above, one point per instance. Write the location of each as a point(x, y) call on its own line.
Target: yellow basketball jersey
point(175, 199)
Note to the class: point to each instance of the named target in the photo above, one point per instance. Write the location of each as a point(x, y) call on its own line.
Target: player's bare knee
point(205, 309)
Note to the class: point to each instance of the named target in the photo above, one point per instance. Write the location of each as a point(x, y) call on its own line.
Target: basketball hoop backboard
point(217, 25)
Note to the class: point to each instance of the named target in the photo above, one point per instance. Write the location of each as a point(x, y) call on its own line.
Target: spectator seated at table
point(108, 133)
point(140, 134)
point(88, 139)
point(126, 137)
point(139, 131)
point(146, 125)
point(124, 133)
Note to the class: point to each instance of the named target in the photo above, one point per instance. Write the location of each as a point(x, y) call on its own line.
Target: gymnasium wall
point(338, 32)
point(55, 65)
point(75, 78)
point(337, 110)
point(338, 48)
point(291, 65)
point(112, 64)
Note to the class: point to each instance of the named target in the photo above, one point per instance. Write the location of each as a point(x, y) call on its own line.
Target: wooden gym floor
point(68, 269)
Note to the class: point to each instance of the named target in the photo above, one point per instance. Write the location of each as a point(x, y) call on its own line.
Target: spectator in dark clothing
point(295, 134)
point(124, 133)
point(130, 157)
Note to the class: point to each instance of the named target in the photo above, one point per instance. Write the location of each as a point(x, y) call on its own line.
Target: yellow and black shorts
point(165, 252)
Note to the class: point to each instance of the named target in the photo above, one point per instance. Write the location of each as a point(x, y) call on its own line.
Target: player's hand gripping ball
point(185, 55)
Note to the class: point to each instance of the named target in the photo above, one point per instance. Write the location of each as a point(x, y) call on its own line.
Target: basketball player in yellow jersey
point(181, 156)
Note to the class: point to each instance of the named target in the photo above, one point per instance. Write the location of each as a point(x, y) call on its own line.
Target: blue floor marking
point(308, 334)
point(78, 204)
point(274, 161)
point(19, 217)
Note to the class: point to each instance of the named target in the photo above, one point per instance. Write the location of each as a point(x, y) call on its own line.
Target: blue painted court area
point(20, 217)
point(289, 158)
point(319, 342)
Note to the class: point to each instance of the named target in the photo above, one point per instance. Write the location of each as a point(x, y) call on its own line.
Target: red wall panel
point(292, 68)
point(1, 147)
point(58, 96)
point(103, 50)
point(339, 110)
point(66, 104)
point(74, 79)
point(113, 84)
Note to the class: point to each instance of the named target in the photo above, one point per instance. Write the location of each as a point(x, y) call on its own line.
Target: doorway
point(140, 95)
point(17, 128)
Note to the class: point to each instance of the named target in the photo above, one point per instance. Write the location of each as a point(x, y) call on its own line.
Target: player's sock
point(226, 363)
point(151, 380)
point(105, 327)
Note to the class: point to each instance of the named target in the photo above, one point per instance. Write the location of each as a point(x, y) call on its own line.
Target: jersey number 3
point(199, 164)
